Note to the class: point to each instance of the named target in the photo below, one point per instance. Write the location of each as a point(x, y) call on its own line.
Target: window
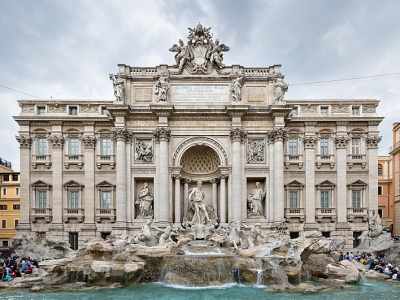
point(104, 235)
point(104, 111)
point(16, 206)
point(74, 199)
point(324, 144)
point(41, 199)
point(42, 146)
point(326, 234)
point(293, 146)
point(325, 199)
point(4, 243)
point(16, 191)
point(73, 240)
point(293, 235)
point(294, 199)
point(3, 223)
point(380, 170)
point(106, 146)
point(380, 211)
point(73, 110)
point(379, 190)
point(105, 199)
point(323, 111)
point(41, 110)
point(15, 177)
point(355, 110)
point(294, 111)
point(16, 221)
point(356, 146)
point(4, 192)
point(356, 198)
point(73, 146)
point(6, 177)
point(3, 206)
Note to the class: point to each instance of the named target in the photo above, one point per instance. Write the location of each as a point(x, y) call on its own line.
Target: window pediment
point(358, 183)
point(40, 183)
point(72, 184)
point(294, 184)
point(326, 184)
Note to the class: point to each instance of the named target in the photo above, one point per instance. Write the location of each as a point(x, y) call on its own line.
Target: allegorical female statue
point(145, 201)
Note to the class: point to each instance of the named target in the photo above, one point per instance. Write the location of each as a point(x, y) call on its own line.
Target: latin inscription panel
point(200, 93)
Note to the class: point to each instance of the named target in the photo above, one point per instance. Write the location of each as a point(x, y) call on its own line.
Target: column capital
point(162, 134)
point(373, 141)
point(309, 142)
point(277, 135)
point(57, 142)
point(121, 134)
point(341, 142)
point(238, 135)
point(89, 142)
point(25, 142)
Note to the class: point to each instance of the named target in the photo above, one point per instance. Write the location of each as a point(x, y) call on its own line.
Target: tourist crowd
point(13, 266)
point(379, 263)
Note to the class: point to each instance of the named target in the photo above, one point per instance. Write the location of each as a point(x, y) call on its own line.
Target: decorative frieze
point(341, 141)
point(89, 142)
point(25, 142)
point(162, 134)
point(373, 141)
point(144, 151)
point(309, 108)
point(56, 108)
point(370, 109)
point(28, 109)
point(340, 108)
point(237, 135)
point(89, 108)
point(57, 142)
point(255, 151)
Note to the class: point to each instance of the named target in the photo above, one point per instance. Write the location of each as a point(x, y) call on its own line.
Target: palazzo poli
point(91, 168)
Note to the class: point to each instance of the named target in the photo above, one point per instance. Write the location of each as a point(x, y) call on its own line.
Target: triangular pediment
point(72, 183)
point(358, 183)
point(40, 183)
point(326, 183)
point(294, 183)
point(105, 184)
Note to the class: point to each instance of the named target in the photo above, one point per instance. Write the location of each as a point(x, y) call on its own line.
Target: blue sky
point(66, 49)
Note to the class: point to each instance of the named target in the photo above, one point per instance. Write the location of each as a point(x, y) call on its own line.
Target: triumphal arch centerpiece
point(197, 143)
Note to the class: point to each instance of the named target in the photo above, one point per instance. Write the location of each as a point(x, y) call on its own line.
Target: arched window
point(379, 170)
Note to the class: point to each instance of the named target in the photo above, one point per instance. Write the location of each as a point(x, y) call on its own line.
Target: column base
point(311, 227)
point(56, 230)
point(118, 228)
point(24, 228)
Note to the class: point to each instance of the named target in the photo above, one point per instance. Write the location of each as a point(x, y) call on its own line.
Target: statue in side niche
point(162, 87)
point(255, 232)
point(281, 88)
point(236, 88)
point(119, 88)
point(254, 201)
point(145, 202)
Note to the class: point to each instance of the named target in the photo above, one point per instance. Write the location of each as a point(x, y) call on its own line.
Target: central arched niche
point(200, 160)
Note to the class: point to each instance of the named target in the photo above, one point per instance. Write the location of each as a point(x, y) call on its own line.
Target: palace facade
point(90, 168)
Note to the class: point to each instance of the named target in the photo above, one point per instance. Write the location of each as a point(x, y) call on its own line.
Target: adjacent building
point(95, 167)
point(386, 207)
point(9, 202)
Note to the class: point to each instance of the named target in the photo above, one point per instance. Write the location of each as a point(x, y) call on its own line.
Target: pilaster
point(309, 152)
point(341, 177)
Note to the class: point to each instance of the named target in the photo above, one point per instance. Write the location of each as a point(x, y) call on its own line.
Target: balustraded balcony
point(41, 213)
point(105, 213)
point(357, 212)
point(294, 213)
point(76, 159)
point(44, 159)
point(325, 159)
point(294, 159)
point(105, 160)
point(326, 212)
point(74, 213)
point(356, 159)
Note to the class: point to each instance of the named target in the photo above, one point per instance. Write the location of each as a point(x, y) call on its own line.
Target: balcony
point(325, 159)
point(105, 213)
point(327, 212)
point(74, 213)
point(356, 159)
point(73, 160)
point(294, 159)
point(41, 160)
point(357, 212)
point(291, 213)
point(41, 213)
point(105, 160)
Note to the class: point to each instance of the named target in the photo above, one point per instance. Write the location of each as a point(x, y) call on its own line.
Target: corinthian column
point(89, 143)
point(309, 153)
point(372, 147)
point(120, 136)
point(278, 135)
point(162, 135)
point(57, 144)
point(25, 143)
point(237, 136)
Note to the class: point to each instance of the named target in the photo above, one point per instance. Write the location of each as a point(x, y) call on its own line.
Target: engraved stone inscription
point(143, 94)
point(200, 93)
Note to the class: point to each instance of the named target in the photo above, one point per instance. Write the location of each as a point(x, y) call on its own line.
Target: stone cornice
point(237, 110)
point(161, 110)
